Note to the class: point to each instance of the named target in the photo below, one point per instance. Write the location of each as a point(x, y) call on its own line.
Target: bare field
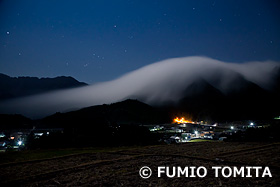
point(120, 167)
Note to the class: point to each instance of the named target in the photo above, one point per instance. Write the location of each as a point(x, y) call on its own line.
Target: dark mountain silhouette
point(200, 99)
point(125, 112)
point(12, 87)
point(238, 99)
point(14, 122)
point(114, 124)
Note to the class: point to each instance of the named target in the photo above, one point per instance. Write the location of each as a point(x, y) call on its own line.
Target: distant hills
point(125, 112)
point(129, 112)
point(13, 87)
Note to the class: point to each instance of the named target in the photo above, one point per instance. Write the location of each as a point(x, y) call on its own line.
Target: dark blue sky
point(100, 40)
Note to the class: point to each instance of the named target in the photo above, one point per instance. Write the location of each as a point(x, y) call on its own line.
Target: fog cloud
point(159, 82)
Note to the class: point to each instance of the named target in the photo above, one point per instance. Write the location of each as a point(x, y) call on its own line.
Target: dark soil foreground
point(121, 167)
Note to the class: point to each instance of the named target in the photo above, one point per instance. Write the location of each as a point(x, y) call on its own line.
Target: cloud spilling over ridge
point(159, 82)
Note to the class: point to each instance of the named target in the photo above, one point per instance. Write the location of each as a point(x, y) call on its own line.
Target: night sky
point(95, 41)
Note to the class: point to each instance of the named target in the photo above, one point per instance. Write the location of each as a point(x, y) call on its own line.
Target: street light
point(232, 127)
point(19, 143)
point(251, 124)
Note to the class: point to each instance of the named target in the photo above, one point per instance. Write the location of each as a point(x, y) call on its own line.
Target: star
point(8, 32)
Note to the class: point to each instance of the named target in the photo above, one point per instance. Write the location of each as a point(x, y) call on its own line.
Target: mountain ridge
point(14, 87)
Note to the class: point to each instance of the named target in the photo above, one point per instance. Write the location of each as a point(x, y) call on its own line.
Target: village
point(182, 131)
point(15, 140)
point(179, 131)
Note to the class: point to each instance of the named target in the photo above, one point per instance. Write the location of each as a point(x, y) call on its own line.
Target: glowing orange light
point(182, 120)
